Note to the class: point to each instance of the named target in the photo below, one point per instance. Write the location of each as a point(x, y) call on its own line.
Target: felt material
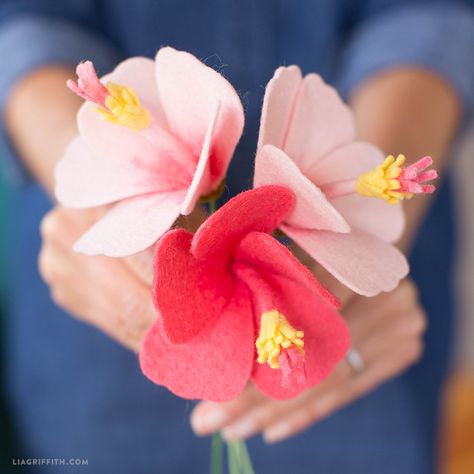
point(85, 178)
point(189, 294)
point(132, 225)
point(365, 264)
point(215, 365)
point(319, 150)
point(267, 255)
point(312, 209)
point(326, 336)
point(201, 180)
point(210, 290)
point(321, 123)
point(189, 92)
point(277, 110)
point(257, 210)
point(196, 120)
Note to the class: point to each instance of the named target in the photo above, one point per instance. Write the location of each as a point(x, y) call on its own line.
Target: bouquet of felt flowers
point(233, 303)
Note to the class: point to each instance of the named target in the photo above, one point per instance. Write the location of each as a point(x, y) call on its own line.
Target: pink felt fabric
point(321, 123)
point(132, 225)
point(85, 178)
point(215, 365)
point(210, 290)
point(312, 209)
point(366, 264)
point(202, 177)
point(196, 122)
point(189, 93)
point(317, 149)
point(277, 110)
point(370, 215)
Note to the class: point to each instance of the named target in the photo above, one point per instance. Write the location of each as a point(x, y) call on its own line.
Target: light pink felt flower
point(307, 142)
point(154, 137)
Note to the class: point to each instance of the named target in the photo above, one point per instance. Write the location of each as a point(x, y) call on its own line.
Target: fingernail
point(277, 432)
point(208, 421)
point(242, 429)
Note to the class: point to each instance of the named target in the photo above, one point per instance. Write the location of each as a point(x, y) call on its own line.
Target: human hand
point(387, 331)
point(113, 294)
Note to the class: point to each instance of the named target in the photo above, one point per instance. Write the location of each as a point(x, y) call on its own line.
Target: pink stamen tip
point(292, 365)
point(412, 176)
point(88, 85)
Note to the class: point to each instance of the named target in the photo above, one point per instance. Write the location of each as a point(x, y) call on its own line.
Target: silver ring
point(354, 359)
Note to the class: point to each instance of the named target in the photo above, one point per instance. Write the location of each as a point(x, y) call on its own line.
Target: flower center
point(117, 104)
point(389, 181)
point(276, 336)
point(122, 107)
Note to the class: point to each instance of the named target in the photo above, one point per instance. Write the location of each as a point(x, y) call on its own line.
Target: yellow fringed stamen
point(124, 108)
point(382, 182)
point(276, 333)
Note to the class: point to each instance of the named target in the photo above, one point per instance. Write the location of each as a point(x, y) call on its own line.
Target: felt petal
point(371, 215)
point(345, 162)
point(278, 104)
point(326, 336)
point(265, 254)
point(189, 92)
point(321, 123)
point(131, 225)
point(260, 210)
point(189, 294)
point(215, 365)
point(86, 179)
point(201, 181)
point(312, 209)
point(365, 264)
point(153, 148)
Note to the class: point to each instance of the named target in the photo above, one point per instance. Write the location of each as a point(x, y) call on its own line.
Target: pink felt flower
point(154, 137)
point(233, 304)
point(308, 143)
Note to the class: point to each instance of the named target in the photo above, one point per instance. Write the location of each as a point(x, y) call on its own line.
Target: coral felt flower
point(233, 304)
point(154, 137)
point(307, 142)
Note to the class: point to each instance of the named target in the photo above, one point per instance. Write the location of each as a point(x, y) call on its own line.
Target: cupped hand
point(113, 294)
point(387, 330)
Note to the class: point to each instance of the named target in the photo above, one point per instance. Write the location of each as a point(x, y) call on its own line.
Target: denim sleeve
point(31, 40)
point(437, 36)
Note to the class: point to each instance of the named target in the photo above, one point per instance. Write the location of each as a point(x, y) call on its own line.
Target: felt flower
point(307, 142)
point(154, 137)
point(234, 304)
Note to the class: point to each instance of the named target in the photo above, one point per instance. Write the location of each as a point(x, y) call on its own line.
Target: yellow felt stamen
point(382, 182)
point(123, 108)
point(276, 333)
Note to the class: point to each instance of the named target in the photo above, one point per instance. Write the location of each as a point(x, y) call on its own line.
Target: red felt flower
point(235, 304)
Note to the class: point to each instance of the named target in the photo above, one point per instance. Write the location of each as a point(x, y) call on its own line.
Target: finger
point(208, 417)
point(321, 407)
point(258, 418)
point(100, 291)
point(141, 265)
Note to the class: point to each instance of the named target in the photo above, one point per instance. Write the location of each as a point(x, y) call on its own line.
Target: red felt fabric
point(188, 293)
point(215, 365)
point(326, 336)
point(210, 290)
point(260, 210)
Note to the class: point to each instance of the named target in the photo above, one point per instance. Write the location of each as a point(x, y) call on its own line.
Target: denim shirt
point(73, 392)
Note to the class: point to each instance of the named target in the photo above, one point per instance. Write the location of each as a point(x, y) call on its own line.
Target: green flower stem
point(217, 452)
point(212, 206)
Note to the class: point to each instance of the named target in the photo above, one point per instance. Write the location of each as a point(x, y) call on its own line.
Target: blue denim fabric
point(73, 392)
